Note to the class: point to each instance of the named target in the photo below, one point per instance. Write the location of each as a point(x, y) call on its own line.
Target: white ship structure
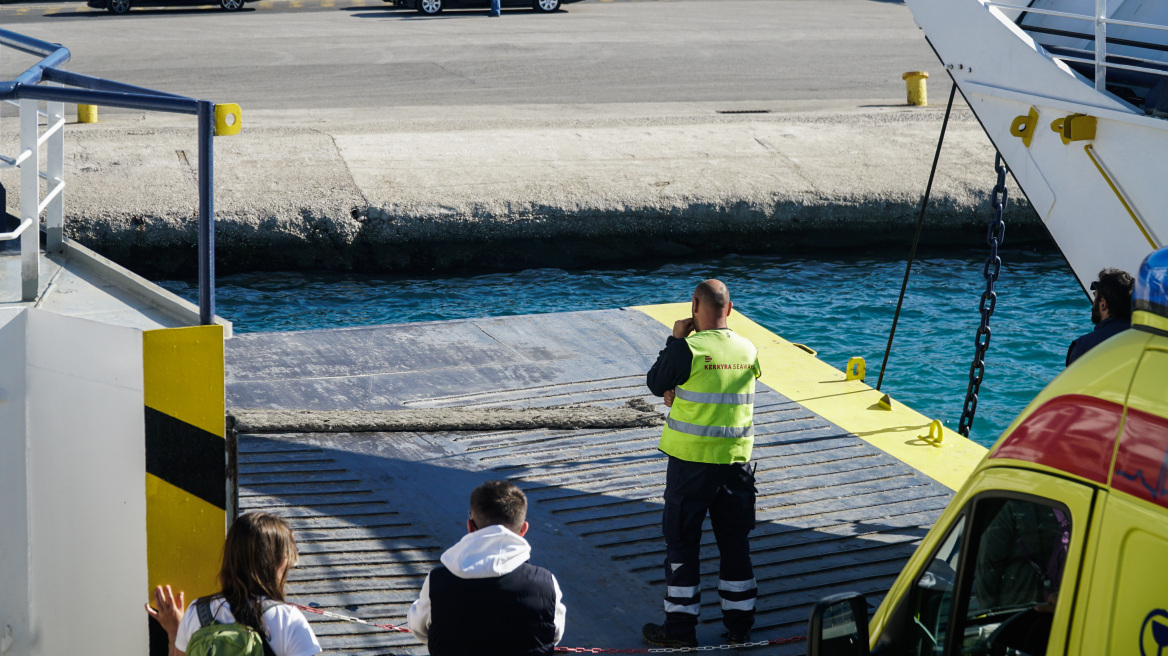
point(1074, 95)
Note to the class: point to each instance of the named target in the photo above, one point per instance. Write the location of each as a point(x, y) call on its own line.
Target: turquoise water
point(841, 307)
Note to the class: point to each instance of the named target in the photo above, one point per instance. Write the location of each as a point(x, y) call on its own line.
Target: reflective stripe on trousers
point(738, 595)
point(692, 609)
point(682, 598)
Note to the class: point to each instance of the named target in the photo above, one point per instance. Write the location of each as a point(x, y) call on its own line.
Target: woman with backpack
point(248, 615)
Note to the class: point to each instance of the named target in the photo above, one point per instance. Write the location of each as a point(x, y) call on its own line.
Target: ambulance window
point(933, 596)
point(1019, 550)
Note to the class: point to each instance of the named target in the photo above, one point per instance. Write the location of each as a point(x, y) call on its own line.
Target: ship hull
point(1101, 198)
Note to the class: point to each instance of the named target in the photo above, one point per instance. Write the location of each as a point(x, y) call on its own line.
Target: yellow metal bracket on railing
point(228, 119)
point(855, 369)
point(1023, 126)
point(936, 433)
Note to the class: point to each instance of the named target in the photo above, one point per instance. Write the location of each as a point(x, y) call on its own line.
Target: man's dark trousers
point(727, 492)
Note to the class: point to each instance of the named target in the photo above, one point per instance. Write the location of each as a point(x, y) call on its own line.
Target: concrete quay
point(505, 187)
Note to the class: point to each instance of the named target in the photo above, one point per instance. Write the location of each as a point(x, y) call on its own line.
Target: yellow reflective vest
point(712, 418)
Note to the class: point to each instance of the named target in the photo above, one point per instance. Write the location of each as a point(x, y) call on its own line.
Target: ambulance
point(1058, 542)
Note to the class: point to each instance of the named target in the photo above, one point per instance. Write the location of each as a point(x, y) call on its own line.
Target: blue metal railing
point(85, 89)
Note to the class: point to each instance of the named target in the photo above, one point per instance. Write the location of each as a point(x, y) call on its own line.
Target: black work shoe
point(736, 638)
point(655, 634)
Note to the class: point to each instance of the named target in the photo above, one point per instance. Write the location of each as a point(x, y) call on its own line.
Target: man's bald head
point(711, 305)
point(714, 293)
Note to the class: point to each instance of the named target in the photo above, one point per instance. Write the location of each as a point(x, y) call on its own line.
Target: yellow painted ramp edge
point(850, 404)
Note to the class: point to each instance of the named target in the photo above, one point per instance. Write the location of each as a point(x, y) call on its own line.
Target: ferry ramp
point(837, 510)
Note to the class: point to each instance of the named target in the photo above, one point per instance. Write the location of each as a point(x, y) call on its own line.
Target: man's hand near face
point(682, 328)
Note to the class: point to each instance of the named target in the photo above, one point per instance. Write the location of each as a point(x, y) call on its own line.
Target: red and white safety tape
point(580, 650)
point(347, 618)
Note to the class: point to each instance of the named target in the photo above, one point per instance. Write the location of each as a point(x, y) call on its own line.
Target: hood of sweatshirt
point(488, 552)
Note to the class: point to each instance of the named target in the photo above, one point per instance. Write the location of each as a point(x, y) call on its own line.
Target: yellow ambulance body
point(1058, 542)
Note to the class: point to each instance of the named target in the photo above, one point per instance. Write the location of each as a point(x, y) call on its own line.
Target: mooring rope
point(636, 413)
point(916, 239)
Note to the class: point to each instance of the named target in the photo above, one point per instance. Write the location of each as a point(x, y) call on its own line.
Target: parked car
point(122, 6)
point(433, 7)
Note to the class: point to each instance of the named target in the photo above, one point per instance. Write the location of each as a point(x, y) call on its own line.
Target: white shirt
point(287, 629)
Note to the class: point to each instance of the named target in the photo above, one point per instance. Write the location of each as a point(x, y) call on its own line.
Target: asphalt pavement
point(375, 138)
point(303, 54)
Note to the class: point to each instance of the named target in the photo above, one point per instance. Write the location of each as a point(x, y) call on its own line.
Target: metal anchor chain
point(995, 235)
point(678, 650)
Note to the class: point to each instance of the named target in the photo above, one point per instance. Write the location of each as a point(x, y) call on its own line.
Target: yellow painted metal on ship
point(181, 367)
point(184, 539)
point(186, 477)
point(1079, 127)
point(850, 404)
point(855, 369)
point(1023, 126)
point(1118, 194)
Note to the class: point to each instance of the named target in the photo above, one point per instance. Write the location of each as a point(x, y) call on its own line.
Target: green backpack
point(217, 639)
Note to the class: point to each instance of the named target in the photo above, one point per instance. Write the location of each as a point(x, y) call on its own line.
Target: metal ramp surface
point(373, 512)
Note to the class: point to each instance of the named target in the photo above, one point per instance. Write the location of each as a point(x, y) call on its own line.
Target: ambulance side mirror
point(839, 626)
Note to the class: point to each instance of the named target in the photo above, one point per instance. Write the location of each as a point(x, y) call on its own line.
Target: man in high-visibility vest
point(706, 374)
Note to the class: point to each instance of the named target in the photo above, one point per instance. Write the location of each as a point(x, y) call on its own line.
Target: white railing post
point(1101, 45)
point(30, 196)
point(55, 170)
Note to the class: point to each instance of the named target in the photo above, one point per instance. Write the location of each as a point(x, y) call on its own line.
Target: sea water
point(839, 306)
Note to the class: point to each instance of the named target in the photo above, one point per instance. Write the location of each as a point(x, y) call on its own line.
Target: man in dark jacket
point(1110, 311)
point(707, 372)
point(486, 599)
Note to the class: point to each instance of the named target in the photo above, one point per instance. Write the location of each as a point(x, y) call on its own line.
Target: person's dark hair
point(713, 293)
point(1115, 286)
point(498, 502)
point(257, 545)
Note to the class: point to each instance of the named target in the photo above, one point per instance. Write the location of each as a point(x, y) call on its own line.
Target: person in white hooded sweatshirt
point(486, 599)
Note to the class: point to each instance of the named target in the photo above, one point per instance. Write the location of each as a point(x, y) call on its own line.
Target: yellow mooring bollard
point(918, 92)
point(87, 113)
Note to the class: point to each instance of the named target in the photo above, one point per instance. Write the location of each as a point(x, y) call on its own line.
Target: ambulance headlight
point(1151, 290)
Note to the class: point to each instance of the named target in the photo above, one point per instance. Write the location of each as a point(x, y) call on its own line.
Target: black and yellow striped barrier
point(187, 498)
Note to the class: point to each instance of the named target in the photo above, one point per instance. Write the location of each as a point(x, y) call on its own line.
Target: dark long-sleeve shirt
point(672, 368)
point(1104, 329)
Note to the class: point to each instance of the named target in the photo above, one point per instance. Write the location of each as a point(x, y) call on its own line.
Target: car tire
point(117, 6)
point(231, 5)
point(545, 6)
point(429, 7)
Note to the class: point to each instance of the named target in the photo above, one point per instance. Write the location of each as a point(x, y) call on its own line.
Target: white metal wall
point(85, 504)
point(14, 564)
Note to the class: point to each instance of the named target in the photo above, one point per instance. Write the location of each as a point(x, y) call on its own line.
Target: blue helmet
point(1151, 289)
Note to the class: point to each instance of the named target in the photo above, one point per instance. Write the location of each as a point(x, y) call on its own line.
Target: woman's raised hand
point(170, 609)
